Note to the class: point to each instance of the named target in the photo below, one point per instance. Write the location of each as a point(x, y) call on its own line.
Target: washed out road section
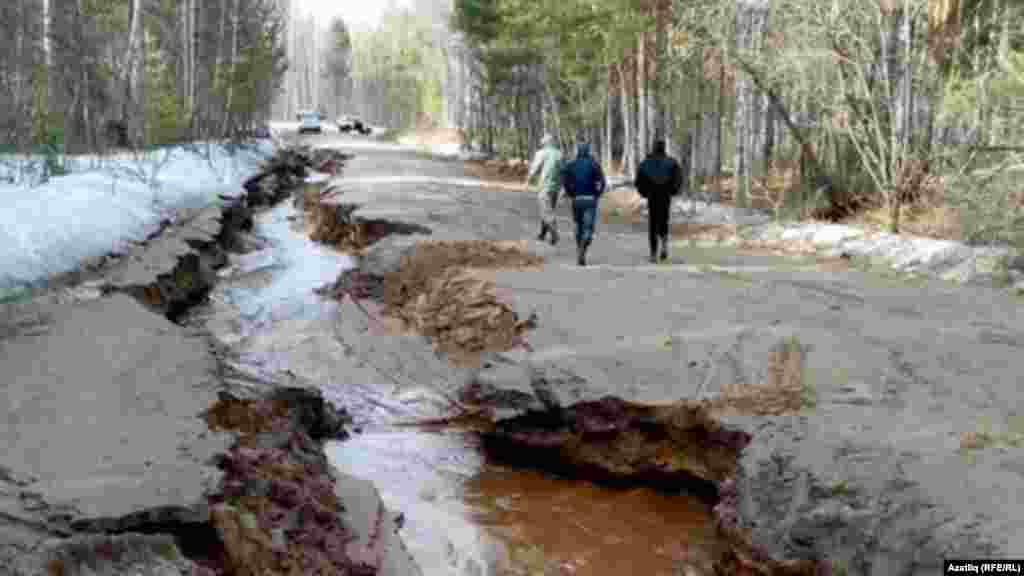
point(911, 387)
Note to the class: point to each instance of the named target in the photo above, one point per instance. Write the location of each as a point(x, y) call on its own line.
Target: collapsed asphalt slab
point(899, 450)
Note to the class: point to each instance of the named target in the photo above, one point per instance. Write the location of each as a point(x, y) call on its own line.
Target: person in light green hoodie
point(547, 163)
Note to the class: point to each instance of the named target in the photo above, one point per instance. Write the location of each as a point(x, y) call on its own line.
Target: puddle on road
point(584, 529)
point(463, 516)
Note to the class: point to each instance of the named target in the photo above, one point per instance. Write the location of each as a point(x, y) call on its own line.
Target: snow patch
point(108, 203)
point(944, 259)
point(318, 177)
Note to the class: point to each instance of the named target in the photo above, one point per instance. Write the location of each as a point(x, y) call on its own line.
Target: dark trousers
point(658, 208)
point(584, 213)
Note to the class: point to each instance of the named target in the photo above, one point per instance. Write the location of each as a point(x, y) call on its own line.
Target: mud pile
point(436, 292)
point(336, 225)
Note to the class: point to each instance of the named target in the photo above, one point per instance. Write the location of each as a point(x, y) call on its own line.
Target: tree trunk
point(134, 112)
point(659, 113)
point(609, 118)
point(897, 80)
point(717, 126)
point(641, 97)
point(218, 67)
point(190, 63)
point(750, 20)
point(628, 147)
point(233, 58)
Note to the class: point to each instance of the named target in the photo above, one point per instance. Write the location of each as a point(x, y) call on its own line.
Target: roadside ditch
point(276, 509)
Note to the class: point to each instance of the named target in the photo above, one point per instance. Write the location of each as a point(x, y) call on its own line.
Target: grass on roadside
point(732, 275)
point(390, 135)
point(883, 270)
point(984, 435)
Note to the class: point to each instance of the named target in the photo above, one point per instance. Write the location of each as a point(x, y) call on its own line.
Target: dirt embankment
point(435, 292)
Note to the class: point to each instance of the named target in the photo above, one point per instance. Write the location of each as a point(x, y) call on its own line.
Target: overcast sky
point(358, 14)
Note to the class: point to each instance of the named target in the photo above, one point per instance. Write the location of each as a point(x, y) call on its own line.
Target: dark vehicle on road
point(349, 124)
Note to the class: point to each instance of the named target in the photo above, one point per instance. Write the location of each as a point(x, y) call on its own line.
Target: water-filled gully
point(463, 515)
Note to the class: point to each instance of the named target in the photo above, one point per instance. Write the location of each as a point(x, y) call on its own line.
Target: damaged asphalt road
point(903, 447)
point(109, 467)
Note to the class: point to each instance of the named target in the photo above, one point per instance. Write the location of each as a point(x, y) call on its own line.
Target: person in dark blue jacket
point(584, 182)
point(658, 179)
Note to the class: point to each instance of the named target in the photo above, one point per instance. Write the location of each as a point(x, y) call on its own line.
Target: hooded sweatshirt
point(547, 163)
point(659, 176)
point(583, 176)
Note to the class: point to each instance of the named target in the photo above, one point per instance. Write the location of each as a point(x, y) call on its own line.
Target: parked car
point(310, 122)
point(348, 124)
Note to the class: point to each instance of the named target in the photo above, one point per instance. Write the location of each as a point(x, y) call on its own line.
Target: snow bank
point(103, 206)
point(946, 259)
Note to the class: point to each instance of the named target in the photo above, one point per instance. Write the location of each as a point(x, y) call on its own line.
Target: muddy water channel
point(462, 515)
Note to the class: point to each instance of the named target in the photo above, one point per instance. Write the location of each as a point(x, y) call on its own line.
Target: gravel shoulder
point(908, 449)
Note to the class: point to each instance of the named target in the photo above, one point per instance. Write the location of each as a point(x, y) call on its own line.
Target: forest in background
point(808, 108)
point(91, 75)
point(804, 107)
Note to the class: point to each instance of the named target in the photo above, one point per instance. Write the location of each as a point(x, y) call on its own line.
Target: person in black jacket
point(658, 179)
point(584, 182)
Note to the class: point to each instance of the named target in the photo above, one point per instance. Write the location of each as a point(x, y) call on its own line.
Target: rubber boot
point(543, 231)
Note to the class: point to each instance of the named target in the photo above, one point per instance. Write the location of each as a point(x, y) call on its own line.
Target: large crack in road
point(833, 472)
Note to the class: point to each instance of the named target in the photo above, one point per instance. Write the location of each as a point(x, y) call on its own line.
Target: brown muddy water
point(462, 515)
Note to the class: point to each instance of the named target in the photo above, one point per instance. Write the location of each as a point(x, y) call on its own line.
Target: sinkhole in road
point(463, 514)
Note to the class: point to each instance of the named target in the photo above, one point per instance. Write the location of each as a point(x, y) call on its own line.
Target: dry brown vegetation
point(332, 224)
point(436, 292)
point(784, 392)
point(498, 170)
